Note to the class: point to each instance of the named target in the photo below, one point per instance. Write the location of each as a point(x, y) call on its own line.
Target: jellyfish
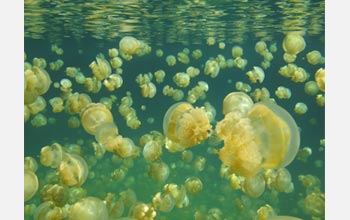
point(185, 124)
point(237, 101)
point(31, 184)
point(93, 116)
point(254, 186)
point(267, 137)
point(88, 208)
point(293, 43)
point(73, 170)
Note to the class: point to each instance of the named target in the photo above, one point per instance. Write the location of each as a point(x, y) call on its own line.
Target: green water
point(84, 29)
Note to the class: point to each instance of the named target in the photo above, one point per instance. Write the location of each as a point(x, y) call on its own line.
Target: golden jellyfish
point(267, 137)
point(261, 47)
point(30, 164)
point(320, 100)
point(193, 185)
point(39, 120)
point(314, 57)
point(37, 106)
point(256, 75)
point(56, 193)
point(300, 108)
point(311, 88)
point(51, 155)
point(196, 54)
point(164, 202)
point(73, 122)
point(106, 132)
point(237, 51)
point(159, 171)
point(113, 52)
point(148, 90)
point(283, 92)
point(293, 43)
point(31, 184)
point(142, 211)
point(254, 186)
point(88, 208)
point(171, 60)
point(56, 104)
point(152, 150)
point(192, 71)
point(181, 79)
point(116, 62)
point(129, 45)
point(73, 170)
point(93, 116)
point(314, 204)
point(26, 113)
point(283, 181)
point(47, 210)
point(159, 75)
point(211, 68)
point(222, 45)
point(241, 86)
point(211, 41)
point(159, 53)
point(320, 79)
point(125, 147)
point(179, 194)
point(279, 134)
point(183, 58)
point(237, 101)
point(185, 124)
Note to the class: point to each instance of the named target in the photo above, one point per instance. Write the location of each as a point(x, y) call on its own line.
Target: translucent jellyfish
point(73, 170)
point(181, 79)
point(283, 181)
point(256, 75)
point(193, 185)
point(152, 150)
point(51, 155)
point(31, 184)
point(300, 108)
point(261, 47)
point(277, 132)
point(267, 137)
point(55, 193)
point(148, 90)
point(93, 116)
point(142, 211)
point(159, 171)
point(88, 208)
point(129, 45)
point(320, 79)
point(185, 124)
point(37, 106)
point(106, 132)
point(30, 164)
point(311, 88)
point(314, 204)
point(48, 210)
point(314, 57)
point(254, 186)
point(293, 43)
point(125, 147)
point(171, 60)
point(237, 101)
point(211, 68)
point(164, 202)
point(237, 51)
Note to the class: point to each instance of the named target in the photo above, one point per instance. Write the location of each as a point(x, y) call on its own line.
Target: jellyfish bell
point(237, 101)
point(293, 43)
point(31, 184)
point(88, 208)
point(254, 186)
point(106, 131)
point(276, 133)
point(73, 170)
point(93, 116)
point(186, 125)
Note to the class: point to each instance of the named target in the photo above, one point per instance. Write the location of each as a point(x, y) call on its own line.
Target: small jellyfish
point(256, 75)
point(31, 184)
point(93, 116)
point(300, 108)
point(73, 170)
point(159, 171)
point(237, 51)
point(88, 208)
point(254, 186)
point(185, 124)
point(320, 79)
point(237, 101)
point(152, 150)
point(193, 185)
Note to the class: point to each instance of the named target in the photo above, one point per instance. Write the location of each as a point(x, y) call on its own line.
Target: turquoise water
point(85, 29)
